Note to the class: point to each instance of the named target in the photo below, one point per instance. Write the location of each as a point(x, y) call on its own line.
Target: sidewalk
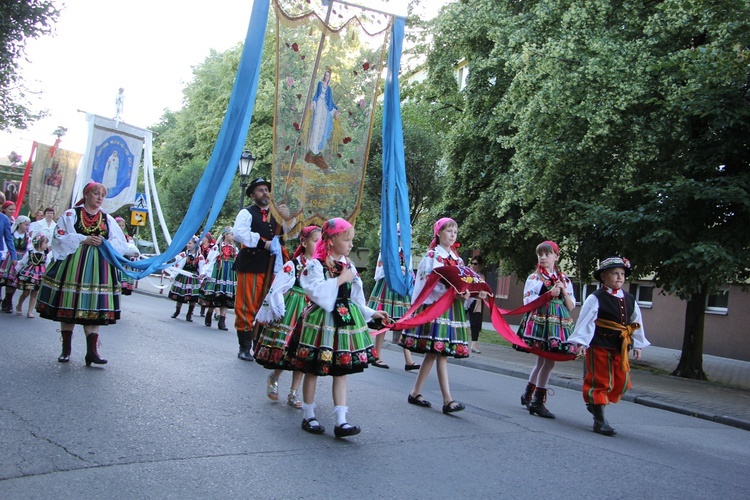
point(725, 399)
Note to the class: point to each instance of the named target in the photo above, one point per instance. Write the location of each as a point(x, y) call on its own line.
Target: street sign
point(140, 202)
point(138, 217)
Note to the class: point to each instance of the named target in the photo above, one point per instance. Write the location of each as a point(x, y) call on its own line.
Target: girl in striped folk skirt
point(29, 272)
point(220, 278)
point(281, 312)
point(449, 334)
point(186, 285)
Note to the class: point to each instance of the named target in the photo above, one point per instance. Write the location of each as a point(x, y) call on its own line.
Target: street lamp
point(247, 160)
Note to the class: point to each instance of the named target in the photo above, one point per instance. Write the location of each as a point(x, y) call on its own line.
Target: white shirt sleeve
point(358, 295)
point(243, 229)
point(379, 271)
point(66, 240)
point(531, 288)
point(639, 336)
point(584, 329)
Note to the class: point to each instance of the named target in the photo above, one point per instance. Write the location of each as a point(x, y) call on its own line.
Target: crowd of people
point(307, 313)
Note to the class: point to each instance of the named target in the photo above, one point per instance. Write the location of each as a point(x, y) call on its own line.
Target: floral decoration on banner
point(328, 66)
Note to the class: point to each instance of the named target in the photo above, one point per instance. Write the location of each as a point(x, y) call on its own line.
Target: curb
point(632, 396)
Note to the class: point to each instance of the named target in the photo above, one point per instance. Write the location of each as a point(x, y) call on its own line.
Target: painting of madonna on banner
point(329, 58)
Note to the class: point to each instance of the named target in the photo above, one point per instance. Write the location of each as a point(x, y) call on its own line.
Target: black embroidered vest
point(255, 260)
point(613, 309)
point(101, 230)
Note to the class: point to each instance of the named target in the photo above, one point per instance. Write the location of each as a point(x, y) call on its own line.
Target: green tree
point(611, 127)
point(20, 21)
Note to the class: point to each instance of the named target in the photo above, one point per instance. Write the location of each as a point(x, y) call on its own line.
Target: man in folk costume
point(609, 326)
point(259, 234)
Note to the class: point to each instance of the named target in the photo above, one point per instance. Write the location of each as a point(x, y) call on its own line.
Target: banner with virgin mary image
point(52, 178)
point(329, 56)
point(113, 156)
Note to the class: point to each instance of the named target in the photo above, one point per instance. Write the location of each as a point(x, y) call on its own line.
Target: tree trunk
point(691, 359)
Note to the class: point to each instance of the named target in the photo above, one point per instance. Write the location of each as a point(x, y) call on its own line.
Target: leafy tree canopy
point(19, 21)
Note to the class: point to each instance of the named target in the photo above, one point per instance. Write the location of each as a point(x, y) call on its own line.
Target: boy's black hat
point(612, 262)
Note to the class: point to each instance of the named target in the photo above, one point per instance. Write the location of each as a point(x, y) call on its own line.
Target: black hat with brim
point(611, 263)
point(257, 182)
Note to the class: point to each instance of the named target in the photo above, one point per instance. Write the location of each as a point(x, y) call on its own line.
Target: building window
point(718, 303)
point(588, 289)
point(644, 295)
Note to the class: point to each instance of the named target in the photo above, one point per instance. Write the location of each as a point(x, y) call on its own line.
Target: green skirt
point(448, 335)
point(82, 289)
point(318, 346)
point(274, 338)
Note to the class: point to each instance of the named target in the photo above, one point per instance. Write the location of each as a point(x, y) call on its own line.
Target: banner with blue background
point(113, 157)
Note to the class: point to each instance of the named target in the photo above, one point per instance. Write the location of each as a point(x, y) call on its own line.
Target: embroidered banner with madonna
point(329, 57)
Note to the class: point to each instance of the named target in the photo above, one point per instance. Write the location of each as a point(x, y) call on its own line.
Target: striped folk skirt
point(185, 289)
point(448, 335)
point(319, 347)
point(82, 288)
point(219, 289)
point(383, 298)
point(274, 338)
point(548, 328)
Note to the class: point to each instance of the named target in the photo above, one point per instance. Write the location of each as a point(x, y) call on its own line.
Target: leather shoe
point(379, 363)
point(312, 429)
point(350, 430)
point(245, 355)
point(415, 400)
point(453, 407)
point(413, 366)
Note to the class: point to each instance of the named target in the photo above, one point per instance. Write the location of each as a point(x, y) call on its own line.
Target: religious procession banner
point(113, 156)
point(53, 175)
point(329, 58)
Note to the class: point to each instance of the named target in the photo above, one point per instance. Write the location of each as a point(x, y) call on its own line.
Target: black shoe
point(453, 407)
point(414, 400)
point(413, 366)
point(379, 363)
point(313, 429)
point(189, 317)
point(208, 321)
point(350, 430)
point(245, 355)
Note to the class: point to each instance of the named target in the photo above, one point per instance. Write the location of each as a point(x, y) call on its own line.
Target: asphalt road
point(175, 414)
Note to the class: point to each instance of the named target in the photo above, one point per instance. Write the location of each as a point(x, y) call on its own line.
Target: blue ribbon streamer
point(394, 203)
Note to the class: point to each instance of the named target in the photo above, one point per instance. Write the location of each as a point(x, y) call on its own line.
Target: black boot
point(246, 345)
point(189, 316)
point(92, 356)
point(208, 320)
point(526, 396)
point(203, 311)
point(177, 310)
point(223, 323)
point(601, 426)
point(537, 404)
point(8, 299)
point(67, 339)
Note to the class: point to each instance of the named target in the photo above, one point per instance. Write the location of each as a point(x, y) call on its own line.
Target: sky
point(147, 47)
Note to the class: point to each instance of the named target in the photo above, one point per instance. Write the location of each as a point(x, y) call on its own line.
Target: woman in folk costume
point(220, 279)
point(383, 298)
point(80, 286)
point(548, 327)
point(30, 271)
point(449, 334)
point(186, 285)
point(334, 338)
point(128, 283)
point(22, 243)
point(281, 311)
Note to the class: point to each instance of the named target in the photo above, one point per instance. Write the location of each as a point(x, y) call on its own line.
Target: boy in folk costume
point(610, 325)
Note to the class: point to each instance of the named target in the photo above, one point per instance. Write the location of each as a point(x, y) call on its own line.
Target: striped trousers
point(248, 299)
point(603, 381)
